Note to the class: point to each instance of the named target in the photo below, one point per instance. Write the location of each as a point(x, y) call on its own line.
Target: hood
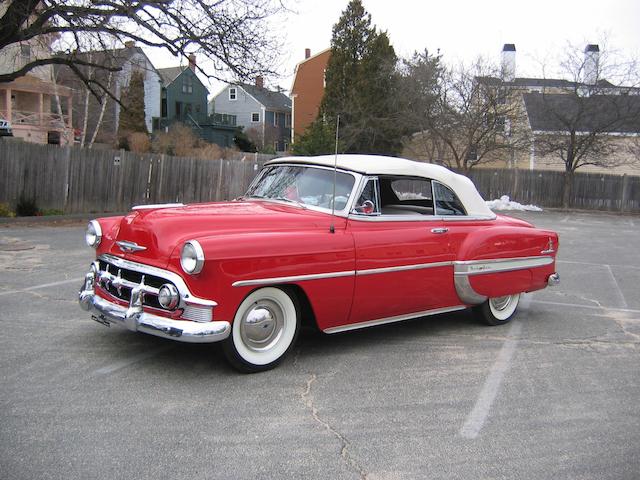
point(161, 230)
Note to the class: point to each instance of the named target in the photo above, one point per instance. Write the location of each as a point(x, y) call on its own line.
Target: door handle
point(439, 230)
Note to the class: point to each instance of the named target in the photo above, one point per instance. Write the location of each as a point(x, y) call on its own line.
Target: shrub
point(5, 210)
point(26, 206)
point(139, 142)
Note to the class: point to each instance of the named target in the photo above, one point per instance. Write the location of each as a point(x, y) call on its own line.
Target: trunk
point(103, 107)
point(567, 189)
point(86, 117)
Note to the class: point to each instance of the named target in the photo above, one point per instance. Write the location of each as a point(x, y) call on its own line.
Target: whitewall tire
point(498, 310)
point(264, 329)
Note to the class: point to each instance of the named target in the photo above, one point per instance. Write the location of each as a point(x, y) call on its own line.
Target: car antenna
point(332, 228)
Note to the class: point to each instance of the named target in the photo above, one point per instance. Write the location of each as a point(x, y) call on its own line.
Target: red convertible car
point(344, 242)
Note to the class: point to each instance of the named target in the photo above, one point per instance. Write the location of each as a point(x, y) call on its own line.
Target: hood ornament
point(130, 247)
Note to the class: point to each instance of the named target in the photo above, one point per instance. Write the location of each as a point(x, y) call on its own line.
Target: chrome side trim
point(398, 318)
point(401, 268)
point(421, 218)
point(295, 278)
point(157, 205)
point(159, 272)
point(465, 291)
point(475, 267)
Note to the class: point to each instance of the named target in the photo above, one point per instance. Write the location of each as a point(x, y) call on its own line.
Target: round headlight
point(168, 296)
point(93, 234)
point(192, 257)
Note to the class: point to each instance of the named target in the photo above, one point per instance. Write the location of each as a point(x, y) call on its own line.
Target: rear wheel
point(498, 310)
point(264, 328)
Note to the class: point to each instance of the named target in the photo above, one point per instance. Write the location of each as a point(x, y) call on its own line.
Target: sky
point(463, 30)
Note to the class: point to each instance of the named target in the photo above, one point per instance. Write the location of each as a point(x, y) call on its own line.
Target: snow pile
point(505, 203)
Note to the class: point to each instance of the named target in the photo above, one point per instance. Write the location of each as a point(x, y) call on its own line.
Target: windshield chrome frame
point(357, 179)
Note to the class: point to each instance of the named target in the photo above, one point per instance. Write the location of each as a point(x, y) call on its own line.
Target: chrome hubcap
point(262, 325)
point(501, 303)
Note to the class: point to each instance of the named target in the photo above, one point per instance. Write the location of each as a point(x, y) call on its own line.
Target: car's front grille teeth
point(109, 274)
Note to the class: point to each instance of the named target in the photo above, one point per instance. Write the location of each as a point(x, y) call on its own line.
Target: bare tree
point(473, 122)
point(586, 119)
point(232, 34)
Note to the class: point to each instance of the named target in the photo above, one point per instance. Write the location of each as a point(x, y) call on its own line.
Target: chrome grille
point(119, 282)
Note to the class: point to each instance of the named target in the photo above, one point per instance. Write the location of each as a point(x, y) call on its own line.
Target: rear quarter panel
point(504, 238)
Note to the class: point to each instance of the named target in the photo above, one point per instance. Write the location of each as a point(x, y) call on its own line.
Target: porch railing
point(48, 120)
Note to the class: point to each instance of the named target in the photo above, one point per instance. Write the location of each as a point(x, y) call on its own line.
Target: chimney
point(307, 53)
point(192, 61)
point(259, 81)
point(508, 62)
point(591, 64)
point(129, 44)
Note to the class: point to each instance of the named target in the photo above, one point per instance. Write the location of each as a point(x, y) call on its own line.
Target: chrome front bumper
point(135, 319)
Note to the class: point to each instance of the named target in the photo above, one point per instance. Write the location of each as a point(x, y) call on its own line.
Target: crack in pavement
point(307, 399)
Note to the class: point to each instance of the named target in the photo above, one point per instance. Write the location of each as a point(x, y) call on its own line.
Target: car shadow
point(196, 360)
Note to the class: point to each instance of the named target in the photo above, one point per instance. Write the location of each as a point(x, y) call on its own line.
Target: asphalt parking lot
point(554, 394)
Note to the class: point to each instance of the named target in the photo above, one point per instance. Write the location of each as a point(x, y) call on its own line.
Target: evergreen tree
point(132, 115)
point(361, 85)
point(318, 139)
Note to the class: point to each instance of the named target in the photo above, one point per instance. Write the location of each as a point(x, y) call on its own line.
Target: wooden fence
point(79, 180)
point(591, 191)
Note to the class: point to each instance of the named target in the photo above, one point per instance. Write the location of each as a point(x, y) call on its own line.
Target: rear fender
point(504, 260)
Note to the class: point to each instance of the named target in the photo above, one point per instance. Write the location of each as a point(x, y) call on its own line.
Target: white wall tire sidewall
point(289, 331)
point(503, 315)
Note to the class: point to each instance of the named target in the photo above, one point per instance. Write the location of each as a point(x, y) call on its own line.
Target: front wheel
point(264, 328)
point(498, 310)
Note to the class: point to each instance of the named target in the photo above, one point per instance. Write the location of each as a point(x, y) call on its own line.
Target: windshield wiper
point(289, 200)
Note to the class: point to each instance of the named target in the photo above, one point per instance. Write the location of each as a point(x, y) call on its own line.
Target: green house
point(184, 96)
point(183, 99)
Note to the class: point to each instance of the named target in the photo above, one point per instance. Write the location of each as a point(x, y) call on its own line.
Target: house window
point(233, 93)
point(286, 147)
point(255, 117)
point(275, 118)
point(25, 51)
point(287, 120)
point(163, 108)
point(187, 84)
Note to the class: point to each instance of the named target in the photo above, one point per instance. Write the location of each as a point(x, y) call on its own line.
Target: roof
point(326, 52)
point(268, 98)
point(381, 165)
point(606, 113)
point(168, 75)
point(537, 82)
point(111, 58)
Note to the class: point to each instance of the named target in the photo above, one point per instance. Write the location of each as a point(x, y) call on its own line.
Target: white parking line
point(481, 409)
point(131, 360)
point(590, 307)
point(44, 285)
point(597, 264)
point(623, 302)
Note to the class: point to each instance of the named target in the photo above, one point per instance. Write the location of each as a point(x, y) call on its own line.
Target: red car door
point(403, 258)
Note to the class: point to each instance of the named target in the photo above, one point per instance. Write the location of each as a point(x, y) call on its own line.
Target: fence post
point(624, 196)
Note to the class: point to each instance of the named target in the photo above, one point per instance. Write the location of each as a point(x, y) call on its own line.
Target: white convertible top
point(381, 165)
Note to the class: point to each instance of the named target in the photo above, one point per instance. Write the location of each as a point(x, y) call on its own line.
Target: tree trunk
point(567, 188)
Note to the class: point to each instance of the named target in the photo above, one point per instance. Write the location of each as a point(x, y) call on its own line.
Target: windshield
point(304, 185)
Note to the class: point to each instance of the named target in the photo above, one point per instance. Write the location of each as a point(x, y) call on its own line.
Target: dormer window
point(233, 93)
